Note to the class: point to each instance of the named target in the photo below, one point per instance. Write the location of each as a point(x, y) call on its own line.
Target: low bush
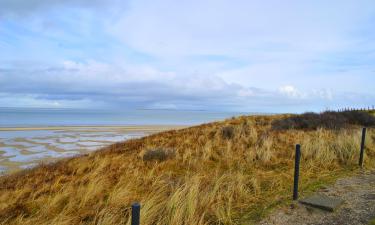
point(227, 132)
point(360, 118)
point(157, 155)
point(328, 119)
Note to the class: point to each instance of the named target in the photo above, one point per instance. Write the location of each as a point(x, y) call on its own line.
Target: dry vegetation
point(229, 172)
point(327, 119)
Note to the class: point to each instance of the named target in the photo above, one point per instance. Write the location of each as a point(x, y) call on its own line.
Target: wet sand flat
point(23, 147)
point(93, 128)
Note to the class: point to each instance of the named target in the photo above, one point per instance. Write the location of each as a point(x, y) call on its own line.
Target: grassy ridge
point(229, 172)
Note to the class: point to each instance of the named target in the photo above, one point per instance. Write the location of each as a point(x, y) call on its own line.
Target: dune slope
point(229, 172)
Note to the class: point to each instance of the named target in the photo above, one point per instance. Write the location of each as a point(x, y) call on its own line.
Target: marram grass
point(211, 177)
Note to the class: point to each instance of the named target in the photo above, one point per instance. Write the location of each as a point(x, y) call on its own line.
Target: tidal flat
point(26, 147)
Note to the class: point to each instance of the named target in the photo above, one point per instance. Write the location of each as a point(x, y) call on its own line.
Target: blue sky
point(267, 56)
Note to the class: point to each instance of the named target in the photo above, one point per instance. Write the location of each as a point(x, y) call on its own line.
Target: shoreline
point(117, 127)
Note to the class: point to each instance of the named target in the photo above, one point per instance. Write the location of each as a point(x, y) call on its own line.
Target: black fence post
point(136, 213)
point(362, 147)
point(296, 171)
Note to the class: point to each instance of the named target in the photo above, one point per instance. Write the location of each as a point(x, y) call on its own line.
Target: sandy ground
point(358, 192)
point(26, 147)
point(93, 128)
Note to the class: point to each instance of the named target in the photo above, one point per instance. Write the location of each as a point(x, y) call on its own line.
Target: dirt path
point(358, 209)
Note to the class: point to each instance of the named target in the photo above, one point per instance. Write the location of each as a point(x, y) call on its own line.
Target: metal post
point(136, 213)
point(362, 147)
point(296, 171)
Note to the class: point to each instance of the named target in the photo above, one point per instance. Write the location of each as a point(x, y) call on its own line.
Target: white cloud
point(92, 83)
point(291, 91)
point(323, 93)
point(246, 92)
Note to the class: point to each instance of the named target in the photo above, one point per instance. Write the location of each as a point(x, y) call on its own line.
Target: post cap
point(136, 204)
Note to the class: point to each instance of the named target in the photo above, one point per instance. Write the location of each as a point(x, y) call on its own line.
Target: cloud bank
point(215, 55)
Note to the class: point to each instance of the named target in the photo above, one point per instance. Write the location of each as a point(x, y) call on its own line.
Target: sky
point(218, 55)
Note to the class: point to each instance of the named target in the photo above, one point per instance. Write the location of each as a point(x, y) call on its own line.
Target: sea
point(31, 117)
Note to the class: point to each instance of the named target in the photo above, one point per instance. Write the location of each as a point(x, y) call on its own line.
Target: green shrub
point(227, 132)
point(157, 155)
point(328, 119)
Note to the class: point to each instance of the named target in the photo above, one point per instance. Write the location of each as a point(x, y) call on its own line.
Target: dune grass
point(230, 172)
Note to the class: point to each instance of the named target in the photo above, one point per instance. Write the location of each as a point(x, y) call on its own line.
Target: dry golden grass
point(211, 177)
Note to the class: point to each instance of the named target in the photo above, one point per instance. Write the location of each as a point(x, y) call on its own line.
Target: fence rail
point(349, 109)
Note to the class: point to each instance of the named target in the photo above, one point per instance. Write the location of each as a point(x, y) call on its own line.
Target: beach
point(25, 147)
point(30, 136)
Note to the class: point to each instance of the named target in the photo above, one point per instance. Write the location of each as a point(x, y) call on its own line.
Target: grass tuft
point(157, 154)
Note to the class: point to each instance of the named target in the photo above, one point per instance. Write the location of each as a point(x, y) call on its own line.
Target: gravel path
point(358, 209)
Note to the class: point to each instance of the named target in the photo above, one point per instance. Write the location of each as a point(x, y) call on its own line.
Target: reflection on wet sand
point(24, 148)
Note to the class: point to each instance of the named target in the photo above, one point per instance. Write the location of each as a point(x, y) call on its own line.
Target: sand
point(24, 147)
point(93, 128)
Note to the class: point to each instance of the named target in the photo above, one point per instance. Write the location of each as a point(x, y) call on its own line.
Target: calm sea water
point(20, 117)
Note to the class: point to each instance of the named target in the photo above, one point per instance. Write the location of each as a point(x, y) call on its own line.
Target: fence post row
point(362, 147)
point(296, 171)
point(136, 213)
point(298, 159)
point(136, 207)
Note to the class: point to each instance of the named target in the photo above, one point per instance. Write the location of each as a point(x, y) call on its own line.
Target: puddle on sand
point(7, 152)
point(18, 143)
point(41, 155)
point(38, 148)
point(67, 139)
point(46, 140)
point(64, 146)
point(90, 143)
point(25, 134)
